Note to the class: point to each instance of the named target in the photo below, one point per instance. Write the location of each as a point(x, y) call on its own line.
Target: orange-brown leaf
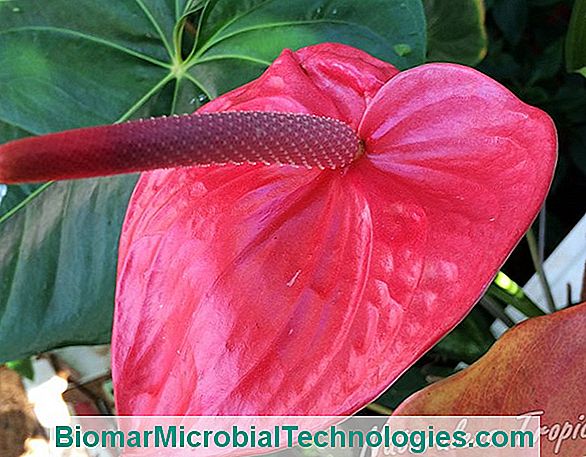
point(538, 367)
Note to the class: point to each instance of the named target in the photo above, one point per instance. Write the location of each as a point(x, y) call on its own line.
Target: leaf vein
point(156, 25)
point(88, 37)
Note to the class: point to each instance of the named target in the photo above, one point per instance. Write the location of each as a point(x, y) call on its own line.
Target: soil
point(17, 420)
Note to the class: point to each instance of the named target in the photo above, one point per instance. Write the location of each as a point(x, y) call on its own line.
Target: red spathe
point(267, 290)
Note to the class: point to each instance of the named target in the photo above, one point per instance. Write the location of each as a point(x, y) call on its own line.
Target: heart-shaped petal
point(265, 290)
point(477, 162)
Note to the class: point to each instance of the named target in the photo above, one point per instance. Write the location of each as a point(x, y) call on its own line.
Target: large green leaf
point(470, 340)
point(455, 31)
point(237, 39)
point(576, 39)
point(511, 16)
point(58, 261)
point(68, 64)
point(12, 196)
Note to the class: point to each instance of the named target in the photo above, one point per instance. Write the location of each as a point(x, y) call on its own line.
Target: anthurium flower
point(260, 290)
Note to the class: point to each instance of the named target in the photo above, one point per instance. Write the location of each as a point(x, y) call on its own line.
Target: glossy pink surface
point(274, 290)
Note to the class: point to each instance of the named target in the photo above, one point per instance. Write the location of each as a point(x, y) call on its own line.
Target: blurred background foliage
point(526, 54)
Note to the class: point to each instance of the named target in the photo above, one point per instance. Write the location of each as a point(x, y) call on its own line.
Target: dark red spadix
point(199, 139)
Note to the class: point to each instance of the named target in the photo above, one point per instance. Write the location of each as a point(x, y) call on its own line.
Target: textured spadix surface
point(199, 139)
point(278, 290)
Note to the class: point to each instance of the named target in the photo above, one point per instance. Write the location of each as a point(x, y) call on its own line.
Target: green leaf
point(58, 264)
point(470, 340)
point(23, 367)
point(548, 63)
point(60, 69)
point(511, 16)
point(410, 382)
point(508, 292)
point(45, 61)
point(69, 64)
point(238, 39)
point(578, 148)
point(455, 31)
point(425, 371)
point(12, 196)
point(576, 39)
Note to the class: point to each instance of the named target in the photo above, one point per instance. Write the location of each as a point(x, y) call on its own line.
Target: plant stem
point(525, 306)
point(541, 234)
point(583, 291)
point(493, 307)
point(379, 409)
point(534, 249)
